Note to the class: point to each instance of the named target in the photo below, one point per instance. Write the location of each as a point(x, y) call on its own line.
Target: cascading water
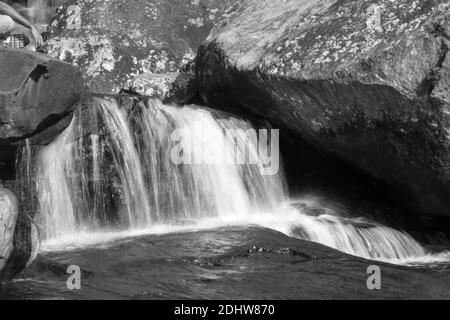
point(149, 187)
point(117, 172)
point(199, 190)
point(127, 159)
point(56, 167)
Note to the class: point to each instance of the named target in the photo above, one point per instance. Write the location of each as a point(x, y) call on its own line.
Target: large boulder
point(113, 41)
point(19, 239)
point(36, 93)
point(175, 87)
point(8, 217)
point(35, 90)
point(366, 81)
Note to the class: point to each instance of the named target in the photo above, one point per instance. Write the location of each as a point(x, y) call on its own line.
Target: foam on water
point(371, 241)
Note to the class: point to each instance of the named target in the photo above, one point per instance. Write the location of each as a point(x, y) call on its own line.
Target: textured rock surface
point(35, 91)
point(252, 264)
point(25, 246)
point(113, 41)
point(19, 241)
point(169, 87)
point(366, 80)
point(8, 217)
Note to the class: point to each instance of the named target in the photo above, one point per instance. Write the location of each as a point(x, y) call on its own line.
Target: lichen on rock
point(367, 81)
point(113, 41)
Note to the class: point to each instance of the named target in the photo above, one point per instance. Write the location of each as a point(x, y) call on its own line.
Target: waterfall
point(113, 170)
point(356, 236)
point(56, 167)
point(92, 160)
point(126, 159)
point(197, 191)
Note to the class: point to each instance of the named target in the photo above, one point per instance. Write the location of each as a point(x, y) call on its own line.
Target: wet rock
point(365, 82)
point(113, 41)
point(141, 266)
point(256, 250)
point(315, 211)
point(175, 87)
point(292, 252)
point(35, 243)
point(309, 209)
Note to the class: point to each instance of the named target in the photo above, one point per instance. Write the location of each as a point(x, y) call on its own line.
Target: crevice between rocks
point(427, 86)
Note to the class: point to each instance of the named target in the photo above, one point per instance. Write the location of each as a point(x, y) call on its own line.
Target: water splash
point(356, 236)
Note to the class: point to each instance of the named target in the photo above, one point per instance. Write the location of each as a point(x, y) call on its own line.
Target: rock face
point(173, 87)
point(18, 241)
point(19, 237)
point(36, 91)
point(8, 217)
point(367, 81)
point(113, 41)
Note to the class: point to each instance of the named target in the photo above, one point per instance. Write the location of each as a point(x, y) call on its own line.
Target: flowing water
point(155, 192)
point(111, 175)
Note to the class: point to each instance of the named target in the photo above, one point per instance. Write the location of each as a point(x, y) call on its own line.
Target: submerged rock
point(113, 41)
point(366, 81)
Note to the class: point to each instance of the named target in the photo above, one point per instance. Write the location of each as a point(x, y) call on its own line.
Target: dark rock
point(291, 252)
point(174, 87)
point(36, 91)
point(289, 268)
point(315, 211)
point(113, 41)
point(365, 81)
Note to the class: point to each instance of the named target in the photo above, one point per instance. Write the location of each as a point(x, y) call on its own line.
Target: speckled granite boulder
point(367, 81)
point(113, 41)
point(179, 88)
